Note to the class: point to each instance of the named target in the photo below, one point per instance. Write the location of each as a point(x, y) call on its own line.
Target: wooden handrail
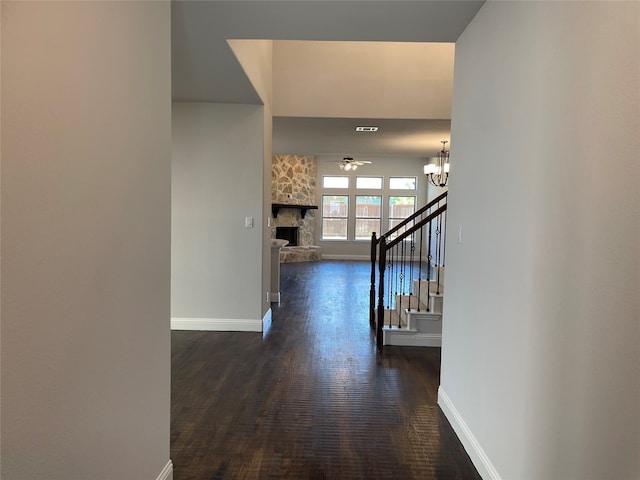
point(416, 227)
point(433, 202)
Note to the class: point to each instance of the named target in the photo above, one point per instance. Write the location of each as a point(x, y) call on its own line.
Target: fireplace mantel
point(275, 208)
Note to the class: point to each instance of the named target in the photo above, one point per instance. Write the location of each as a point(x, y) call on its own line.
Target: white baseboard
point(217, 324)
point(470, 443)
point(167, 472)
point(346, 257)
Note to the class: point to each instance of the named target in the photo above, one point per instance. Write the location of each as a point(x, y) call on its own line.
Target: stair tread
point(423, 312)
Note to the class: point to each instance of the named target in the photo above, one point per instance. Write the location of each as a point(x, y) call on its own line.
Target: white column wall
point(86, 182)
point(218, 181)
point(256, 58)
point(540, 358)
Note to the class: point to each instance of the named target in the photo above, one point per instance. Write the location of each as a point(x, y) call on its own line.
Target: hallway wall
point(540, 357)
point(86, 181)
point(217, 182)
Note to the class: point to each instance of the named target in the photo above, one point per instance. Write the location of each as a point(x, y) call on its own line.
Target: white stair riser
point(424, 325)
point(411, 302)
point(411, 339)
point(433, 286)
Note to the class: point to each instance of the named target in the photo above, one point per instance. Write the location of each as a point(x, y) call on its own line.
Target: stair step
point(409, 338)
point(433, 286)
point(393, 318)
point(404, 302)
point(424, 322)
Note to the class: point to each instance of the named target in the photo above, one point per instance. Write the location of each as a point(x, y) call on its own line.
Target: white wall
point(86, 177)
point(217, 263)
point(256, 58)
point(540, 358)
point(381, 166)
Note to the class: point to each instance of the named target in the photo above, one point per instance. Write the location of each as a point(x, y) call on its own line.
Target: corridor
point(310, 398)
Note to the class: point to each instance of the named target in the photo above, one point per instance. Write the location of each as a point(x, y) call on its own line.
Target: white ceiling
point(204, 68)
point(337, 136)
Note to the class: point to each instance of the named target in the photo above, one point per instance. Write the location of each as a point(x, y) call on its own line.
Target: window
point(399, 209)
point(371, 183)
point(335, 182)
point(368, 214)
point(402, 183)
point(335, 211)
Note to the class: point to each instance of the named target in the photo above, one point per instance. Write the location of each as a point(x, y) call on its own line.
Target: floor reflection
point(312, 398)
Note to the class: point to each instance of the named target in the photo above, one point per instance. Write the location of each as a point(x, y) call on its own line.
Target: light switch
point(248, 222)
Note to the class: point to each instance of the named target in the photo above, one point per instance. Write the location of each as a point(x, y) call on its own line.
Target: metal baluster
point(412, 247)
point(402, 279)
point(420, 265)
point(438, 252)
point(444, 240)
point(392, 268)
point(429, 267)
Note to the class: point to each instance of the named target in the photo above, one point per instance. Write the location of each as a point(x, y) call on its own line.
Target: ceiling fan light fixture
point(348, 163)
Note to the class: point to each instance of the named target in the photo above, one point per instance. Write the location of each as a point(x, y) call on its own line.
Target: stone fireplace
point(293, 182)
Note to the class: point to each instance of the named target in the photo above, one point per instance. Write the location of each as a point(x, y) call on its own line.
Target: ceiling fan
point(348, 163)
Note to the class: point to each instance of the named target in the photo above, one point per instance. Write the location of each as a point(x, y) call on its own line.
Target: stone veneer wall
point(293, 180)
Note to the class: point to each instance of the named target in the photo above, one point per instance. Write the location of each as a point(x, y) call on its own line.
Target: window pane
point(334, 229)
point(401, 207)
point(402, 183)
point(365, 227)
point(335, 210)
point(335, 182)
point(335, 206)
point(368, 206)
point(373, 183)
point(368, 212)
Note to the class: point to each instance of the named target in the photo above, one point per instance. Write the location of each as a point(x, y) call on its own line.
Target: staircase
point(410, 323)
point(407, 279)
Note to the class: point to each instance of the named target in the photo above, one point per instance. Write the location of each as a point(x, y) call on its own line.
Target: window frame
point(381, 187)
point(401, 219)
point(356, 218)
point(345, 218)
point(415, 183)
point(348, 178)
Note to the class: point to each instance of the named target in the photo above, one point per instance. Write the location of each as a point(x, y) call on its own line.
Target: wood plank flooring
point(311, 398)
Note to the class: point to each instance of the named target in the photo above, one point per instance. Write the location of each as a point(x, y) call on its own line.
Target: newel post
point(382, 260)
point(372, 289)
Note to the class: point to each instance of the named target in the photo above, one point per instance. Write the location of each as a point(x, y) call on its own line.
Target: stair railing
point(398, 264)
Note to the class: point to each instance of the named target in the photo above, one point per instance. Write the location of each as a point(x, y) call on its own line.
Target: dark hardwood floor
point(311, 398)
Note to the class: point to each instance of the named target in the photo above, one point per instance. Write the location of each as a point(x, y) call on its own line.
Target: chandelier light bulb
point(438, 172)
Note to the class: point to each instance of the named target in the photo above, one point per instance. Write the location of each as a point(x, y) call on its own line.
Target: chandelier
point(438, 172)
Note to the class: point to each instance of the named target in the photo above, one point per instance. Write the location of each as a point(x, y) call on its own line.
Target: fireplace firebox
point(288, 233)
